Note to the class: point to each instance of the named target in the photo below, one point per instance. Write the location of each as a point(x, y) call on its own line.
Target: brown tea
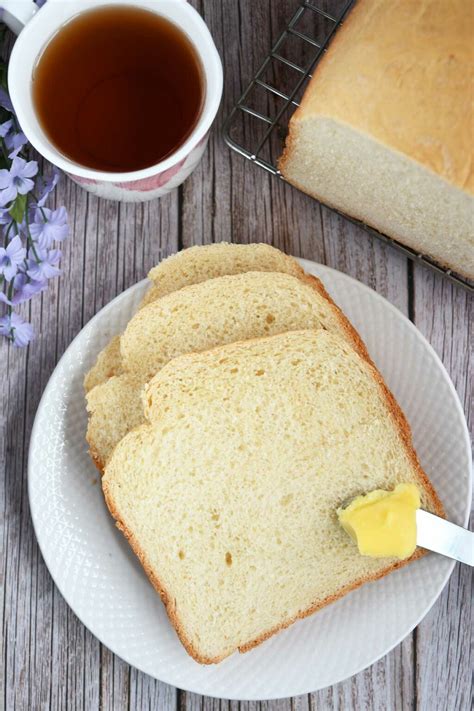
point(118, 88)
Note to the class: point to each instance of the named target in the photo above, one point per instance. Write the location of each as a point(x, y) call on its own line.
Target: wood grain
point(50, 661)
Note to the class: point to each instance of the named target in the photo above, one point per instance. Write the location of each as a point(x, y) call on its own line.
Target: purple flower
point(11, 258)
point(45, 267)
point(48, 226)
point(47, 186)
point(16, 180)
point(16, 329)
point(24, 268)
point(24, 289)
point(15, 142)
point(5, 128)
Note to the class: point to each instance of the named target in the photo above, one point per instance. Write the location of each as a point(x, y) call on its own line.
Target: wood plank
point(444, 651)
point(147, 693)
point(59, 663)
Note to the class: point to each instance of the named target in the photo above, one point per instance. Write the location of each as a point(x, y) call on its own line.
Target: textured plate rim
point(313, 268)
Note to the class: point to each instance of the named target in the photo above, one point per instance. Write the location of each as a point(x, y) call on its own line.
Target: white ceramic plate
point(103, 583)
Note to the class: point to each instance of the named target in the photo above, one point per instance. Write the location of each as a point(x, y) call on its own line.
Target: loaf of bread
point(228, 493)
point(193, 266)
point(385, 129)
point(196, 318)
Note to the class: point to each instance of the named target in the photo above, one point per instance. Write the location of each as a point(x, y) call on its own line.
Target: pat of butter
point(383, 523)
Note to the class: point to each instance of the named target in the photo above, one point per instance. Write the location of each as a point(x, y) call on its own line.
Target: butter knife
point(441, 536)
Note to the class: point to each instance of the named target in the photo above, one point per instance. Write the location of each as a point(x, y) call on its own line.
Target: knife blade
point(441, 536)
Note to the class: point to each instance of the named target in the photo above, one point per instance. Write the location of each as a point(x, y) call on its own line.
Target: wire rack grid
point(262, 112)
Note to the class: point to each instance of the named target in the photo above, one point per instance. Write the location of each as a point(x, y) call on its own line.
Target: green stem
point(8, 232)
point(29, 238)
point(9, 297)
point(41, 209)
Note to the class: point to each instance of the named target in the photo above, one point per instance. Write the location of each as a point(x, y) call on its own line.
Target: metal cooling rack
point(261, 115)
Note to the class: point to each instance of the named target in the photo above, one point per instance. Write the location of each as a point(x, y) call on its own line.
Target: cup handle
point(16, 13)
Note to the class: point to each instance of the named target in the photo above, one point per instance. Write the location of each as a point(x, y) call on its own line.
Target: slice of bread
point(228, 494)
point(223, 310)
point(108, 364)
point(114, 408)
point(196, 318)
point(193, 266)
point(199, 263)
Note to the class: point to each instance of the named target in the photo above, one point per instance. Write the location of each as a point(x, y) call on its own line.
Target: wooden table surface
point(50, 661)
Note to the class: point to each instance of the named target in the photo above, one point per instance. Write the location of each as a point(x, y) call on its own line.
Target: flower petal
point(30, 169)
point(5, 127)
point(15, 250)
point(22, 332)
point(15, 143)
point(5, 178)
point(9, 271)
point(28, 290)
point(25, 186)
point(47, 187)
point(7, 195)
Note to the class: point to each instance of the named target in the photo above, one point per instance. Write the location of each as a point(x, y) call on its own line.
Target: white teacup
point(37, 26)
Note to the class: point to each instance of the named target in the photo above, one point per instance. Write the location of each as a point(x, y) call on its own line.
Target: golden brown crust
point(348, 329)
point(96, 459)
point(404, 430)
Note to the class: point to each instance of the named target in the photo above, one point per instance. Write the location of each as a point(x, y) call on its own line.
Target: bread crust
point(403, 428)
point(346, 326)
point(96, 459)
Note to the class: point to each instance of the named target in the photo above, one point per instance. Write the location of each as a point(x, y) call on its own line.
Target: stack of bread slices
point(231, 418)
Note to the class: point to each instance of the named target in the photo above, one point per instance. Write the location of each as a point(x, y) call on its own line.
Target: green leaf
point(17, 210)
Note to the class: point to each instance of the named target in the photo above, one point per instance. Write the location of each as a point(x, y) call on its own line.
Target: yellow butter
point(383, 523)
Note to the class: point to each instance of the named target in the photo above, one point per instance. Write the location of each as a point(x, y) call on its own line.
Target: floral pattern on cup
point(154, 181)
